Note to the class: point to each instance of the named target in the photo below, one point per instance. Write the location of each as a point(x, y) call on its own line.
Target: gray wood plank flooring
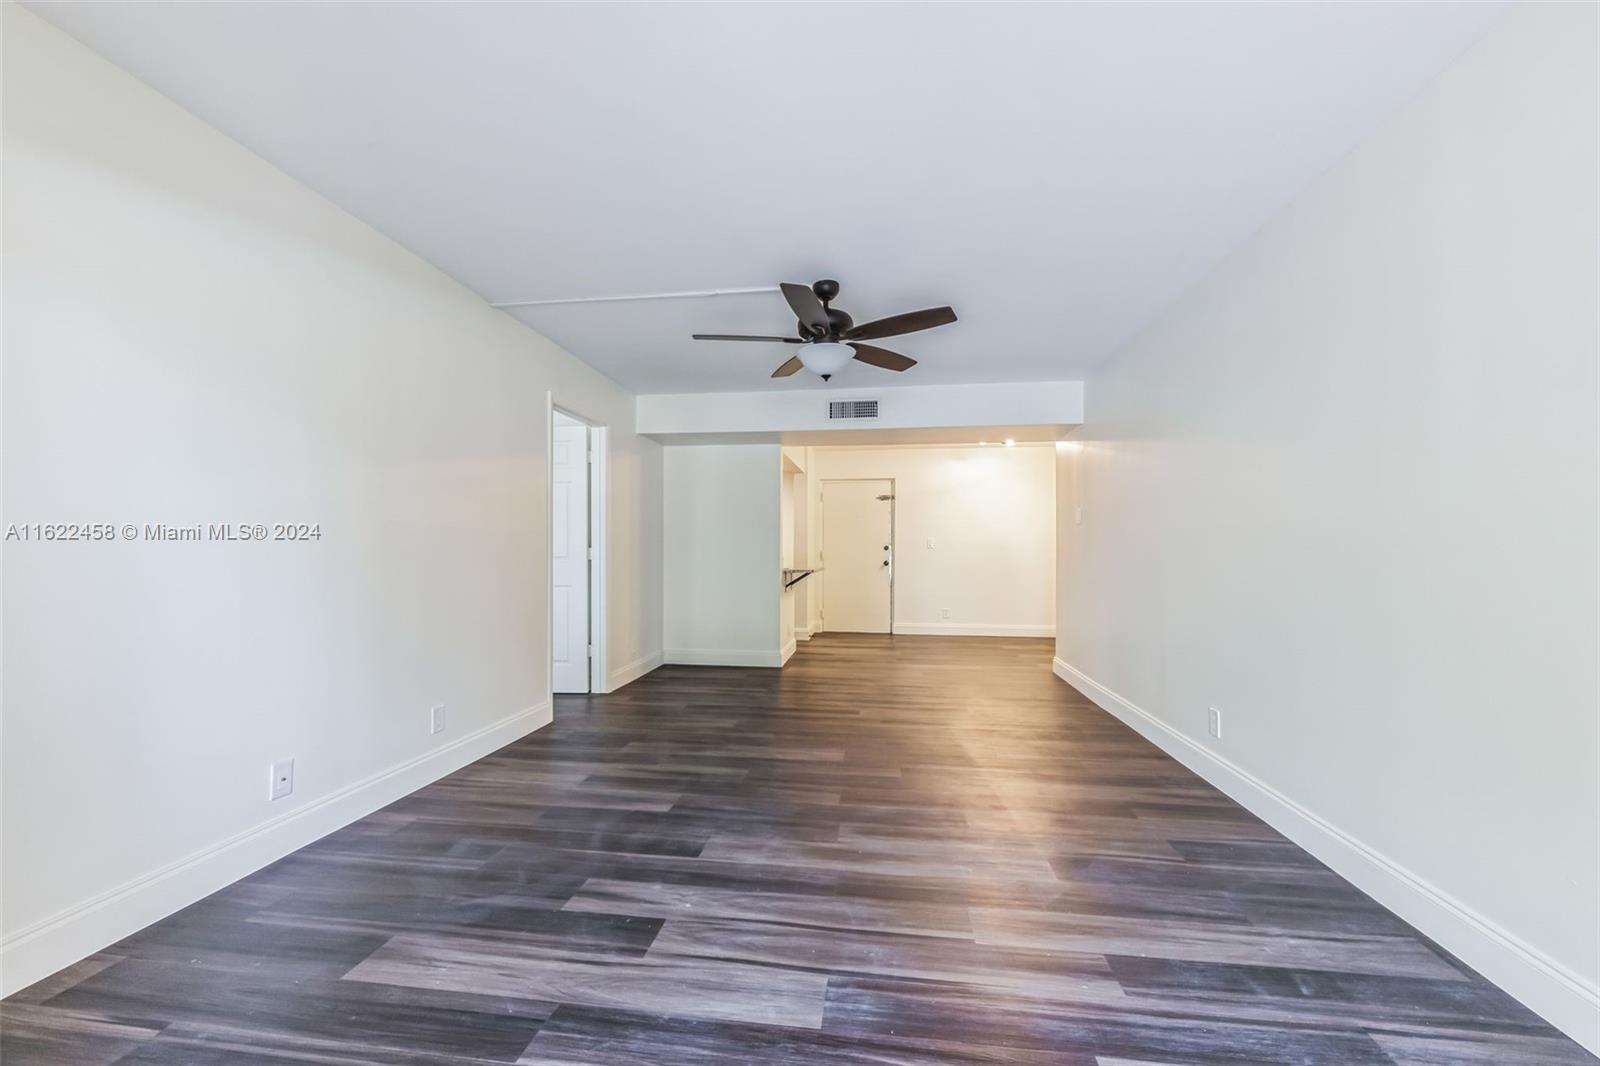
point(909, 850)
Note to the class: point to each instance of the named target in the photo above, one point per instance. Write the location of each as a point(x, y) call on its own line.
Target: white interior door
point(569, 556)
point(857, 556)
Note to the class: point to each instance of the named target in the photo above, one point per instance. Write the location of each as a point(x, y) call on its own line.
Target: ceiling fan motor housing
point(838, 322)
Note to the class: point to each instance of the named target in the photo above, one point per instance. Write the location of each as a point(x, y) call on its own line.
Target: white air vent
point(853, 409)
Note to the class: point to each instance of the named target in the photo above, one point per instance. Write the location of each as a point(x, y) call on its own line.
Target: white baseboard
point(960, 629)
point(41, 949)
point(1542, 984)
point(722, 657)
point(627, 675)
point(788, 650)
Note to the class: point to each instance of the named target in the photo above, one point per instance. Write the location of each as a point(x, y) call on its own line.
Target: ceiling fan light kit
point(826, 358)
point(830, 339)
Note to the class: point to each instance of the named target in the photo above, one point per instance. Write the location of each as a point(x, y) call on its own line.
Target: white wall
point(722, 554)
point(793, 481)
point(1346, 492)
point(191, 337)
point(990, 513)
point(633, 530)
point(796, 606)
point(900, 406)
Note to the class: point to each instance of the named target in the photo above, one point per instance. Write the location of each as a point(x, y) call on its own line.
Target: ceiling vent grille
point(853, 409)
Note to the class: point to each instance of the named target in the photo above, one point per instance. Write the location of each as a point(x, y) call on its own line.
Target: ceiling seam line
point(637, 296)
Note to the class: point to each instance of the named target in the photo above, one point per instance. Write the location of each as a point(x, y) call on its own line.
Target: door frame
point(822, 540)
point(598, 540)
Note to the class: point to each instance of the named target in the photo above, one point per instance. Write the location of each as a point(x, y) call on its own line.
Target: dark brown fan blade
point(737, 337)
point(807, 308)
point(910, 322)
point(883, 357)
point(788, 368)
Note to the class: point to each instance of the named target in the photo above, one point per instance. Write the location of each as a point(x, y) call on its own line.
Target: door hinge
point(591, 651)
point(591, 552)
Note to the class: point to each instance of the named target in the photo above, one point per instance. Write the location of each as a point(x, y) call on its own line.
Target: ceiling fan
point(829, 338)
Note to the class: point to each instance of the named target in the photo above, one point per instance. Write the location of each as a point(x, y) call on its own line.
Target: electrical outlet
point(436, 719)
point(944, 612)
point(1077, 516)
point(1214, 722)
point(930, 542)
point(281, 782)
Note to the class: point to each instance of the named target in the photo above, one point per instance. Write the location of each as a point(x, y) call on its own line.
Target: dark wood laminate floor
point(913, 850)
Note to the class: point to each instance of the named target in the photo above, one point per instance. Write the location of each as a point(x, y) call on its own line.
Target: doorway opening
point(857, 520)
point(576, 538)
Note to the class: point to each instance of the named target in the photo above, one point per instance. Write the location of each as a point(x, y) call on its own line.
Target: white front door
point(569, 556)
point(857, 555)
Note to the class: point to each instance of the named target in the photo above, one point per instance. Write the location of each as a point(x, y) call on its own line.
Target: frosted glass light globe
point(826, 357)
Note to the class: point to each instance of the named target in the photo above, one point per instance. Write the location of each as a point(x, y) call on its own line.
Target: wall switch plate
point(1214, 722)
point(436, 719)
point(1077, 516)
point(282, 780)
point(944, 612)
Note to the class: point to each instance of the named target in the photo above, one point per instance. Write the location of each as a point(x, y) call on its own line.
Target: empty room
point(914, 533)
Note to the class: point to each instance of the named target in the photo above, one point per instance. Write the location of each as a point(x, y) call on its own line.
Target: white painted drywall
point(1346, 491)
point(786, 510)
point(990, 512)
point(796, 542)
point(1038, 403)
point(633, 536)
point(722, 554)
point(192, 337)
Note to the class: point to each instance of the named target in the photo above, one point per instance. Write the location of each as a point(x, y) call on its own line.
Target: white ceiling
point(1058, 173)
